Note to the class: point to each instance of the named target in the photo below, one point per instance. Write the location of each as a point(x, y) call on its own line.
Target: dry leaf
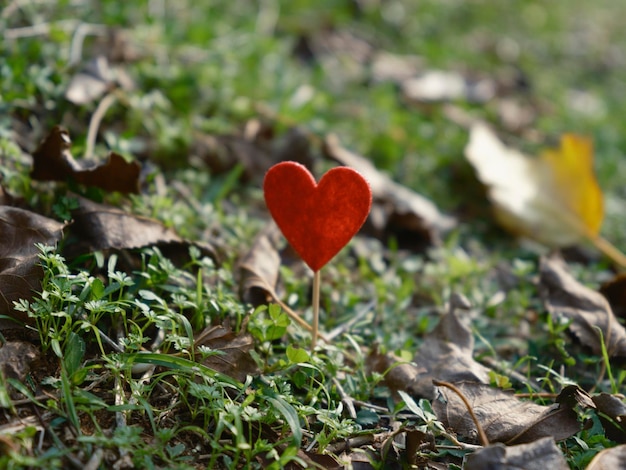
point(53, 161)
point(438, 85)
point(387, 67)
point(445, 354)
point(587, 309)
point(503, 417)
point(20, 273)
point(101, 227)
point(96, 78)
point(91, 83)
point(16, 358)
point(554, 199)
point(609, 459)
point(233, 352)
point(396, 210)
point(612, 413)
point(259, 273)
point(259, 268)
point(541, 454)
point(615, 292)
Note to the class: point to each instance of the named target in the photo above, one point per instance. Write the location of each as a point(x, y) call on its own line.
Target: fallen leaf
point(224, 152)
point(343, 55)
point(435, 86)
point(53, 161)
point(396, 210)
point(96, 78)
point(16, 358)
point(259, 268)
point(554, 199)
point(101, 227)
point(233, 352)
point(504, 417)
point(587, 309)
point(93, 81)
point(609, 459)
point(614, 291)
point(445, 355)
point(612, 413)
point(317, 219)
point(20, 273)
point(255, 150)
point(538, 455)
point(387, 67)
point(259, 273)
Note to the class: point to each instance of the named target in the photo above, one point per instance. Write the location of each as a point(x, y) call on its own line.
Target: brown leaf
point(259, 268)
point(234, 357)
point(609, 459)
point(16, 358)
point(541, 454)
point(445, 354)
point(53, 161)
point(20, 273)
point(343, 55)
point(254, 151)
point(95, 79)
point(612, 413)
point(223, 153)
point(396, 210)
point(587, 309)
point(101, 227)
point(615, 292)
point(503, 417)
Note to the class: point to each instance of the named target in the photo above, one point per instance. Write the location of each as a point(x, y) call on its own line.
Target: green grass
point(210, 67)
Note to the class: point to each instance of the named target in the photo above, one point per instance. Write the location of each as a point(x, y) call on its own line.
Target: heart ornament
point(318, 220)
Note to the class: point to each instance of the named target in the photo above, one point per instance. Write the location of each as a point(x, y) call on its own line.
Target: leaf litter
point(447, 352)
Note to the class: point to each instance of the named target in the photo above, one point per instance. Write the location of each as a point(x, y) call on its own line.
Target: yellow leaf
point(554, 199)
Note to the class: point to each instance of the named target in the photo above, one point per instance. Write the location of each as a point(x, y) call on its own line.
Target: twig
point(94, 462)
point(481, 433)
point(364, 404)
point(81, 31)
point(351, 443)
point(609, 250)
point(345, 398)
point(316, 308)
point(94, 123)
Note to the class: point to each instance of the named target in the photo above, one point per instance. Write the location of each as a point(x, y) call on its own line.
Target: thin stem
point(94, 124)
point(484, 441)
point(316, 308)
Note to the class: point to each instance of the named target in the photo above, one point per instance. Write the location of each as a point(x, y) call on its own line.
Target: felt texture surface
point(317, 220)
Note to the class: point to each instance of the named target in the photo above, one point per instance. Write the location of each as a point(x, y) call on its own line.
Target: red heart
point(317, 219)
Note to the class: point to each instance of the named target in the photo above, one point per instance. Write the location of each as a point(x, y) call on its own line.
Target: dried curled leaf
point(609, 459)
point(53, 161)
point(232, 355)
point(504, 417)
point(396, 210)
point(612, 414)
point(101, 227)
point(589, 312)
point(20, 273)
point(538, 455)
point(446, 355)
point(259, 269)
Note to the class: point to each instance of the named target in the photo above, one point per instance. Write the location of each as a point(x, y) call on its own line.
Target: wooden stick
point(316, 308)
